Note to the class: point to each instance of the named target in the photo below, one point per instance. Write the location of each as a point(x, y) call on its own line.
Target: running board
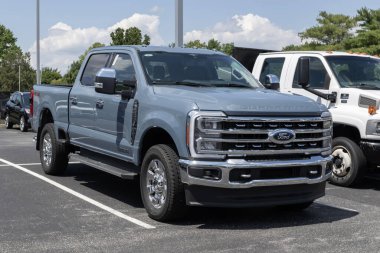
point(112, 166)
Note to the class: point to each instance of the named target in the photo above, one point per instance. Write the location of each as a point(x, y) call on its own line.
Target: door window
point(272, 66)
point(18, 100)
point(318, 76)
point(125, 72)
point(94, 64)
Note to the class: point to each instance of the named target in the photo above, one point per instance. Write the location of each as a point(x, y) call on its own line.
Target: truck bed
point(53, 98)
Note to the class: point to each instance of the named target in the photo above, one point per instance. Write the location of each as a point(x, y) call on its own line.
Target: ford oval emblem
point(282, 136)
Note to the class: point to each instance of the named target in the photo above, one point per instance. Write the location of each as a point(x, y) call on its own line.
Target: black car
point(17, 111)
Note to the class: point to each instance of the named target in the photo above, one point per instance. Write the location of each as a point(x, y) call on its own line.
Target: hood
point(242, 101)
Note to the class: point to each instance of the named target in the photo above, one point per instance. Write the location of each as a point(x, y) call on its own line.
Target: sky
point(69, 27)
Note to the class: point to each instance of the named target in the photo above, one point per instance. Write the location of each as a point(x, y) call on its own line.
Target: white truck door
point(274, 65)
point(320, 78)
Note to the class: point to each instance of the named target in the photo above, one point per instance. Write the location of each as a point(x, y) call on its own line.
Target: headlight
point(203, 133)
point(373, 127)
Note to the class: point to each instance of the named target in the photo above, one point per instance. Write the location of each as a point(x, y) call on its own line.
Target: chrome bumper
point(228, 165)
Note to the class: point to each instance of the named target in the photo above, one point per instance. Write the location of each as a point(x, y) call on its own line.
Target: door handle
point(99, 104)
point(74, 100)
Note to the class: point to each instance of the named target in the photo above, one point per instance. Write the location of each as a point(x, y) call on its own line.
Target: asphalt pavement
point(86, 210)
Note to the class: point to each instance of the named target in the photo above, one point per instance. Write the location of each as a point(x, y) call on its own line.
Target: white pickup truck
point(349, 85)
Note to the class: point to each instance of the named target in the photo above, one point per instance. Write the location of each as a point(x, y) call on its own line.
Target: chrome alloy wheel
point(22, 123)
point(342, 161)
point(47, 150)
point(7, 121)
point(156, 183)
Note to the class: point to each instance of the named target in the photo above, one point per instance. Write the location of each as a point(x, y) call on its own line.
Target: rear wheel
point(53, 154)
point(162, 191)
point(23, 125)
point(350, 163)
point(8, 124)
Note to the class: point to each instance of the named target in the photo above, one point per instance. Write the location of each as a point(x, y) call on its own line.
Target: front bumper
point(371, 150)
point(227, 191)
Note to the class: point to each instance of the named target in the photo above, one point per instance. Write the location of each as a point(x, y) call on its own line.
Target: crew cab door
point(113, 113)
point(82, 110)
point(320, 78)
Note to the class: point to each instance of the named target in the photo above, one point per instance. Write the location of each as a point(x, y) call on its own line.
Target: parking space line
point(31, 164)
point(81, 196)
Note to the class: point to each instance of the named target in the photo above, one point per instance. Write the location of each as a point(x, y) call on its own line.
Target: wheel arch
point(348, 131)
point(154, 136)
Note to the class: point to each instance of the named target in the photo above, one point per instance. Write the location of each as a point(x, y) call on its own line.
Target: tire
point(162, 191)
point(23, 125)
point(350, 164)
point(53, 154)
point(296, 207)
point(8, 124)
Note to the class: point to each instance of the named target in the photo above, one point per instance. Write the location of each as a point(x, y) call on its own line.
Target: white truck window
point(272, 66)
point(319, 78)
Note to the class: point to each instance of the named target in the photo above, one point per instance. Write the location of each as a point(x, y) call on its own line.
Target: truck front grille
point(250, 137)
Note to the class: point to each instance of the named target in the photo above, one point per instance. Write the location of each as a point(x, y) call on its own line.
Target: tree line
point(337, 32)
point(359, 33)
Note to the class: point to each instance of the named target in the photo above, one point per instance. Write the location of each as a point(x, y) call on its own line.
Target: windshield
point(26, 99)
point(356, 72)
point(164, 68)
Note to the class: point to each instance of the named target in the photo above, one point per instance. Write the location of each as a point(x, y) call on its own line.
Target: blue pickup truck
point(192, 124)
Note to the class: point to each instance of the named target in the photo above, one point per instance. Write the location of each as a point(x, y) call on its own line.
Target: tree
point(72, 73)
point(10, 63)
point(50, 75)
point(130, 36)
point(212, 44)
point(11, 60)
point(368, 36)
point(368, 19)
point(332, 29)
point(195, 44)
point(7, 40)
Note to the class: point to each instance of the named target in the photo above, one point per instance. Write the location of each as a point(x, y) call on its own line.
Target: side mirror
point(303, 73)
point(105, 81)
point(272, 82)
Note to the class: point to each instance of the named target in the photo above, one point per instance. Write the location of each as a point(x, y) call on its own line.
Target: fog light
point(209, 173)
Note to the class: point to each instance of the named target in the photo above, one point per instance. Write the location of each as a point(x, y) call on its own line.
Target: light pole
point(38, 72)
point(179, 23)
point(19, 77)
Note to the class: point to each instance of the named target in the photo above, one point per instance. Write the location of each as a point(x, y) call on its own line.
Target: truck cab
point(347, 84)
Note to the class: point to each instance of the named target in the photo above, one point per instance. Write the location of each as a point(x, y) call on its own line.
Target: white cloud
point(64, 43)
point(155, 9)
point(247, 31)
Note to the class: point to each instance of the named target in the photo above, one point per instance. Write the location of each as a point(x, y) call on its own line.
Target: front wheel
point(23, 125)
point(162, 191)
point(349, 162)
point(53, 154)
point(8, 124)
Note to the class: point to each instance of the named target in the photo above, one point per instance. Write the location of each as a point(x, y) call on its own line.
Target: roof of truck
point(160, 49)
point(323, 53)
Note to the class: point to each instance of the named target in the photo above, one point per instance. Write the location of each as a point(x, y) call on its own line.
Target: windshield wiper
point(239, 85)
point(365, 86)
point(186, 83)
